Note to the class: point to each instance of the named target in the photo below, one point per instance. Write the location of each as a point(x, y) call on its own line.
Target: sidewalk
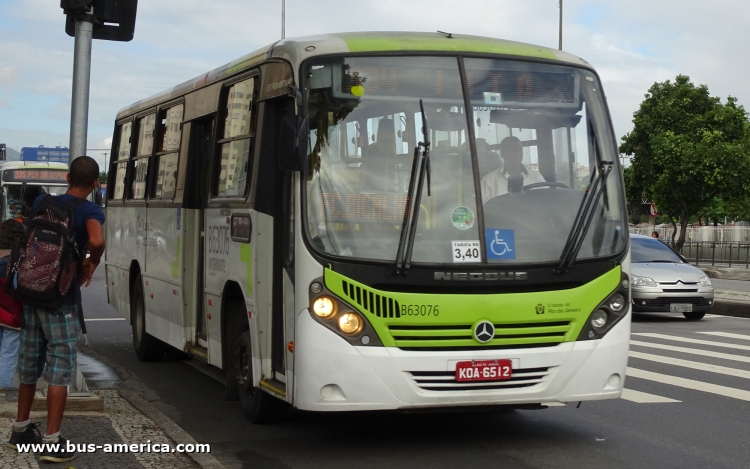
point(125, 418)
point(120, 423)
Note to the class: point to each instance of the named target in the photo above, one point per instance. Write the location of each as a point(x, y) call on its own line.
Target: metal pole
point(283, 19)
point(79, 109)
point(561, 16)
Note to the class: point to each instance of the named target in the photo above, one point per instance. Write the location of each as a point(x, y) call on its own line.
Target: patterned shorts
point(49, 336)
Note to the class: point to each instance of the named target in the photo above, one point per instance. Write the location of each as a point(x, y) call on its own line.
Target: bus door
point(274, 201)
point(199, 161)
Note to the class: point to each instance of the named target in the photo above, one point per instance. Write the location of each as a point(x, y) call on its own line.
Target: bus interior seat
point(487, 159)
point(379, 154)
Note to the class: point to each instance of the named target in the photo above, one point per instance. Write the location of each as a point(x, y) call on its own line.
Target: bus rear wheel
point(147, 347)
point(258, 406)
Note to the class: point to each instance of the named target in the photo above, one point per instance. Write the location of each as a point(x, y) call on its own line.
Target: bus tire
point(147, 347)
point(258, 406)
point(694, 315)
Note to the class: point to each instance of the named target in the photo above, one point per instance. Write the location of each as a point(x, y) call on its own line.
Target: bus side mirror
point(292, 142)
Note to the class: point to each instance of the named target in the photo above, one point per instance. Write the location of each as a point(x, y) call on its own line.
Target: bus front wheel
point(258, 406)
point(147, 347)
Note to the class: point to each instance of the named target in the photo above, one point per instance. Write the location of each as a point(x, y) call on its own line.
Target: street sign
point(652, 210)
point(114, 20)
point(2, 152)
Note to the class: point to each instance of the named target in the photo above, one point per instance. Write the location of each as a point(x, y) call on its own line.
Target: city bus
point(377, 221)
point(22, 182)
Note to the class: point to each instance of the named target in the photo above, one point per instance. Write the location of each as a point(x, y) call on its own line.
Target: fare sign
point(483, 370)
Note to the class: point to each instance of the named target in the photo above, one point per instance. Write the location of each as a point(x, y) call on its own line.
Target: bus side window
point(145, 146)
point(236, 144)
point(119, 165)
point(168, 146)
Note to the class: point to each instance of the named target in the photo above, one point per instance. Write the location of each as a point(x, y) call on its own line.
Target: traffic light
point(114, 20)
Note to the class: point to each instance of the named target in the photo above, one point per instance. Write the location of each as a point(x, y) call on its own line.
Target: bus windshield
point(19, 198)
point(507, 177)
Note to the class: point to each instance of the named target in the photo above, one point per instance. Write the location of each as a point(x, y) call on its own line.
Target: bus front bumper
point(332, 375)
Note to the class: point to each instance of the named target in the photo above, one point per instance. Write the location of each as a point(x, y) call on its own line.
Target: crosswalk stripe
point(694, 365)
point(692, 341)
point(644, 397)
point(728, 334)
point(690, 384)
point(693, 351)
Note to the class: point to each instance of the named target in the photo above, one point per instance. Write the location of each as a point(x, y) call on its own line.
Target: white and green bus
point(309, 219)
point(22, 182)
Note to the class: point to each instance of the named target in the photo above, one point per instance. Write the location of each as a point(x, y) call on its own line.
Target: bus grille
point(446, 380)
point(461, 336)
point(379, 305)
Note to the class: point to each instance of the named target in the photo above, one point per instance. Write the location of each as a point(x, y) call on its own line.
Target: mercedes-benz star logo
point(484, 332)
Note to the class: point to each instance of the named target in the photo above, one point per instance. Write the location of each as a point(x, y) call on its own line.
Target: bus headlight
point(599, 319)
point(617, 302)
point(324, 307)
point(609, 312)
point(350, 323)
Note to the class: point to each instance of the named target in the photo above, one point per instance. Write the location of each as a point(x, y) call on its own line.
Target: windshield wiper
point(420, 168)
point(582, 222)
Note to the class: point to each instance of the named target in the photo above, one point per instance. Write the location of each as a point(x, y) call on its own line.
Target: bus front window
point(13, 201)
point(540, 133)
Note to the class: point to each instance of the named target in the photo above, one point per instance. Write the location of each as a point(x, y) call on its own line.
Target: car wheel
point(694, 315)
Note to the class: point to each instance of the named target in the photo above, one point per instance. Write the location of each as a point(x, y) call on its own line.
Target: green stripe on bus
point(409, 320)
point(420, 43)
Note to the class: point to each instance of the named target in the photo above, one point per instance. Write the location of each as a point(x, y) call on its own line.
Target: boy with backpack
point(46, 273)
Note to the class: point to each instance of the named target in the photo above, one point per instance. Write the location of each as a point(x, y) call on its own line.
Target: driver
point(495, 183)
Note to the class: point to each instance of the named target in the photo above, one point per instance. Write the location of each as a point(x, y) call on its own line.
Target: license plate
point(483, 370)
point(681, 308)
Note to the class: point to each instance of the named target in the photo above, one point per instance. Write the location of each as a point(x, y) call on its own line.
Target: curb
point(134, 395)
point(729, 308)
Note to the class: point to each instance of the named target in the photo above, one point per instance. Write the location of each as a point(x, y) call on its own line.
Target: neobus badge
point(481, 276)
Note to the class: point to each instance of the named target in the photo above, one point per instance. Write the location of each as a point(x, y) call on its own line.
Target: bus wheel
point(694, 315)
point(147, 347)
point(258, 406)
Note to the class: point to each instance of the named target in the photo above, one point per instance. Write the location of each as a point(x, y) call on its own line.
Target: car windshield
point(645, 250)
point(507, 178)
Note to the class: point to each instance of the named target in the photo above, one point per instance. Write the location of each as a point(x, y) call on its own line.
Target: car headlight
point(643, 281)
point(704, 281)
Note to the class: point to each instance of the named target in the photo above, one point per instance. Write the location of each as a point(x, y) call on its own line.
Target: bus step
point(198, 352)
point(276, 387)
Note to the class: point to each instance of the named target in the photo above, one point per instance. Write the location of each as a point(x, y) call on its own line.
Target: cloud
point(632, 44)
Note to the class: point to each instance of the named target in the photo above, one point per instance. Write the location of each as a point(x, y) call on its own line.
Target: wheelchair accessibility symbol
point(501, 244)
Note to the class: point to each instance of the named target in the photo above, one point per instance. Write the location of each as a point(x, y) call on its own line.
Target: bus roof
point(32, 165)
point(295, 50)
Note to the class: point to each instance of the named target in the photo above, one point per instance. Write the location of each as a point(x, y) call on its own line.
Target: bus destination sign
point(36, 175)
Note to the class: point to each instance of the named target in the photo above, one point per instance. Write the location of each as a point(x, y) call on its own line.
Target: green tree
point(634, 196)
point(688, 149)
point(103, 176)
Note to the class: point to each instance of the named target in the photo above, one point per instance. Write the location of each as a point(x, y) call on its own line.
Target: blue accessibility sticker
point(501, 244)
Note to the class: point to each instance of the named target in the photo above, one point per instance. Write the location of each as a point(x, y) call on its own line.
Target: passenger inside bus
point(513, 175)
point(14, 207)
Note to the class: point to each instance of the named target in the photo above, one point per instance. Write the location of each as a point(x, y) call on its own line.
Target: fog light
point(617, 302)
point(316, 288)
point(350, 323)
point(599, 319)
point(625, 283)
point(324, 307)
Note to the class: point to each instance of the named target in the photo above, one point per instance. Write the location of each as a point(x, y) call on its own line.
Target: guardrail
point(732, 253)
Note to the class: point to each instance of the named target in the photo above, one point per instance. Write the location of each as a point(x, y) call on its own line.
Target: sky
point(631, 43)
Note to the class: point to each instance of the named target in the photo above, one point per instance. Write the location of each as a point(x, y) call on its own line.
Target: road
point(687, 407)
point(730, 285)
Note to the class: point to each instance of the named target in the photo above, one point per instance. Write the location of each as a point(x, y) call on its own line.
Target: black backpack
point(43, 268)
